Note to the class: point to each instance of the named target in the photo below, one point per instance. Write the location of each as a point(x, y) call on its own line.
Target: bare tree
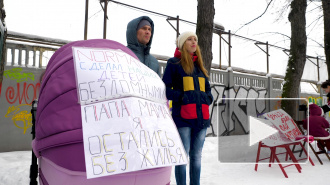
point(204, 30)
point(3, 51)
point(297, 58)
point(326, 18)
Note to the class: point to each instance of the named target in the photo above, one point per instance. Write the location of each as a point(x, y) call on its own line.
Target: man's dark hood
point(131, 32)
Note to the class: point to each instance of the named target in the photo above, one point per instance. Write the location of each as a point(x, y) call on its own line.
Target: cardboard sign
point(284, 123)
point(104, 74)
point(275, 139)
point(126, 122)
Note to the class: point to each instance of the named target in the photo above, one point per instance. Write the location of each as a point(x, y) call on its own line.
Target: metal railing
point(221, 77)
point(28, 51)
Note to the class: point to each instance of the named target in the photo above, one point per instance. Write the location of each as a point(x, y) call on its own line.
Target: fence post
point(229, 49)
point(34, 58)
point(27, 55)
point(5, 58)
point(230, 106)
point(86, 20)
point(298, 103)
point(269, 91)
point(12, 56)
point(20, 57)
point(177, 26)
point(40, 58)
point(320, 89)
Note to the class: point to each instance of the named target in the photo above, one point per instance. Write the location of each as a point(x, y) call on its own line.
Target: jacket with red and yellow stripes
point(190, 95)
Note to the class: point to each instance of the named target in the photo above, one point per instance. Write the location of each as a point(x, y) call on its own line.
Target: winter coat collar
point(177, 54)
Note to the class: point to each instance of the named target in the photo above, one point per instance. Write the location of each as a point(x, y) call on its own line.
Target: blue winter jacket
point(140, 50)
point(190, 95)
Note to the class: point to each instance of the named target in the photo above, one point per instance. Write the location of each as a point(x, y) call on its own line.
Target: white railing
point(30, 51)
point(23, 50)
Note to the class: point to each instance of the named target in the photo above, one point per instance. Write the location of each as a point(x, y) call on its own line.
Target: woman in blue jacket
point(188, 87)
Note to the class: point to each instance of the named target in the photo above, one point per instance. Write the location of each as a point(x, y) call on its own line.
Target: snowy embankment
point(15, 166)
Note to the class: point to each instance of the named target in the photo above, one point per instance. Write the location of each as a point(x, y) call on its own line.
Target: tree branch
point(316, 42)
point(318, 7)
point(281, 12)
point(316, 20)
point(256, 17)
point(278, 33)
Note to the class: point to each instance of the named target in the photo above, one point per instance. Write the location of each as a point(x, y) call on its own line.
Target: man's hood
point(131, 31)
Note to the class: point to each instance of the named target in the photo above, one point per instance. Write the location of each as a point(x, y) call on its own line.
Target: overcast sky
point(64, 19)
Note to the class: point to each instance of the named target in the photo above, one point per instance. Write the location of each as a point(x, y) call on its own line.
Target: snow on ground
point(15, 166)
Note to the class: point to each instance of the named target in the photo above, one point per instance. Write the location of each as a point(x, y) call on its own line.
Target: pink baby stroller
point(58, 142)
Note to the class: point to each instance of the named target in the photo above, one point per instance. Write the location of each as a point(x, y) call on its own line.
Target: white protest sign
point(106, 74)
point(284, 123)
point(129, 134)
point(129, 131)
point(275, 139)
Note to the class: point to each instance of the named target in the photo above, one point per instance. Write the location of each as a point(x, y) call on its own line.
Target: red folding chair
point(274, 156)
point(316, 153)
point(280, 140)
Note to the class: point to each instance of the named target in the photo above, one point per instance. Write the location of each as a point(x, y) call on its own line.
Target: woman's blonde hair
point(188, 64)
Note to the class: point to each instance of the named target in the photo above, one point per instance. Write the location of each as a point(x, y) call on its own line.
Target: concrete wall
point(23, 66)
point(19, 88)
point(230, 116)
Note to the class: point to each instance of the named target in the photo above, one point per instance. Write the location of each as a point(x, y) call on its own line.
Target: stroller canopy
point(58, 120)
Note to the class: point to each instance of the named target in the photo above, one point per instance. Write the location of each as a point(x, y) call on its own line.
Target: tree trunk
point(3, 53)
point(297, 56)
point(204, 30)
point(326, 18)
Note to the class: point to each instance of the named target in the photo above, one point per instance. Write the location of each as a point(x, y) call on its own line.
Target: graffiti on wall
point(19, 92)
point(18, 75)
point(22, 91)
point(315, 100)
point(311, 99)
point(319, 101)
point(21, 118)
point(231, 116)
point(277, 104)
point(245, 102)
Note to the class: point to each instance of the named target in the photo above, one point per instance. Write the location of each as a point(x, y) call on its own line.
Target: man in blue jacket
point(139, 35)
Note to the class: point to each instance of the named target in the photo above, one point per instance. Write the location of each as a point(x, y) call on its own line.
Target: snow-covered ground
point(15, 166)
